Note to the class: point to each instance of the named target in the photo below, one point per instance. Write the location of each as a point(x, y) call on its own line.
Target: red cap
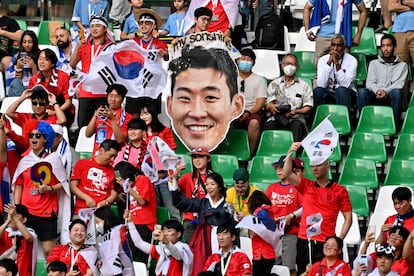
point(200, 151)
point(298, 163)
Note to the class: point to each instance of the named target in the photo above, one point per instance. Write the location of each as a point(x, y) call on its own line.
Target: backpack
point(269, 33)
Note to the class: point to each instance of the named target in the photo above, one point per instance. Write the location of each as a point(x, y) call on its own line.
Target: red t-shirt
point(103, 128)
point(222, 23)
point(144, 214)
point(327, 200)
point(239, 263)
point(407, 223)
point(41, 205)
point(95, 180)
point(23, 118)
point(86, 55)
point(187, 185)
point(166, 135)
point(64, 252)
point(262, 248)
point(24, 253)
point(175, 268)
point(153, 44)
point(342, 268)
point(58, 83)
point(285, 200)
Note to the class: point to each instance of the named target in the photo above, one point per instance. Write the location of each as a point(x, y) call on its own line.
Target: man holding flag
point(322, 199)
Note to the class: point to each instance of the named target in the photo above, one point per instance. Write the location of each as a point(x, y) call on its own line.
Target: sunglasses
point(389, 250)
point(145, 22)
point(35, 135)
point(38, 103)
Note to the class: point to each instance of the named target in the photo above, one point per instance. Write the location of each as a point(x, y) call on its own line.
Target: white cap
point(58, 129)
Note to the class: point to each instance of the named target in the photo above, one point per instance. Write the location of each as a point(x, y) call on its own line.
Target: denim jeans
point(394, 98)
point(342, 95)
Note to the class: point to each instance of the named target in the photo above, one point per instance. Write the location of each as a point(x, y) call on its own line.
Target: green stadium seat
point(400, 172)
point(188, 163)
point(22, 24)
point(307, 69)
point(404, 149)
point(367, 44)
point(163, 214)
point(262, 172)
point(85, 155)
point(236, 143)
point(359, 172)
point(359, 200)
point(339, 117)
point(377, 119)
point(41, 268)
point(274, 143)
point(225, 165)
point(369, 146)
point(309, 82)
point(362, 69)
point(408, 125)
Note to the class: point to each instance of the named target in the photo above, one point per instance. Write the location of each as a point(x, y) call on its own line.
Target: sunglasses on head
point(38, 103)
point(197, 150)
point(35, 135)
point(389, 250)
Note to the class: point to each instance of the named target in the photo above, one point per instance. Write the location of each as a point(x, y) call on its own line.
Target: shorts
point(289, 242)
point(45, 227)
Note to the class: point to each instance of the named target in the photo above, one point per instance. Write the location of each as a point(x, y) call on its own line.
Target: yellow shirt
point(239, 203)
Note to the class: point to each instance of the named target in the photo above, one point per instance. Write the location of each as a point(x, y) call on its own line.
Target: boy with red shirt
point(321, 196)
point(92, 180)
point(230, 260)
point(174, 258)
point(18, 239)
point(286, 203)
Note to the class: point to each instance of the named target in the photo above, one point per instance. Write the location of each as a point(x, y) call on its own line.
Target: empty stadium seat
point(261, 171)
point(163, 214)
point(377, 119)
point(84, 145)
point(362, 69)
point(359, 172)
point(274, 143)
point(400, 172)
point(303, 43)
point(408, 125)
point(280, 270)
point(367, 44)
point(359, 200)
point(43, 34)
point(404, 149)
point(338, 115)
point(140, 269)
point(354, 234)
point(369, 146)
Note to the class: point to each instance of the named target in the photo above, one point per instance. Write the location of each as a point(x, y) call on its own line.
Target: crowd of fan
point(50, 188)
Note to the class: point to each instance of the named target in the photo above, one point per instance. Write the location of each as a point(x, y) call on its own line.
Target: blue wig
point(47, 132)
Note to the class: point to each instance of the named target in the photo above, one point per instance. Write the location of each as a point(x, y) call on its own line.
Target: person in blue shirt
point(130, 26)
point(175, 22)
point(83, 11)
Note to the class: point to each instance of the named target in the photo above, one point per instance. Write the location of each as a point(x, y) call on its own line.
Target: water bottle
point(26, 75)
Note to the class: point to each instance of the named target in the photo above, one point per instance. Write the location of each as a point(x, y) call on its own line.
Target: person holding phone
point(110, 120)
point(25, 57)
point(385, 260)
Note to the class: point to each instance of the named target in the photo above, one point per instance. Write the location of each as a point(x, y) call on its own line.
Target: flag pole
point(310, 250)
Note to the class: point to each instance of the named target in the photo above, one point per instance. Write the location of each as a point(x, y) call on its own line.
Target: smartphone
point(23, 55)
point(105, 106)
point(117, 174)
point(75, 268)
point(363, 259)
point(81, 34)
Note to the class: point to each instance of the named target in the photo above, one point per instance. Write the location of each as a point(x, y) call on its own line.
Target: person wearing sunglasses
point(41, 100)
point(40, 183)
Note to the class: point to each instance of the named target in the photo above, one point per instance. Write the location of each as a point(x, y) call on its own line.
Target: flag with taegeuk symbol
point(321, 142)
point(138, 69)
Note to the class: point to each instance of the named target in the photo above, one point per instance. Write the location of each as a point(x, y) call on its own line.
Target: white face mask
point(99, 228)
point(289, 70)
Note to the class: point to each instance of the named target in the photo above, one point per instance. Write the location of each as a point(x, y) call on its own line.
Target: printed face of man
point(201, 109)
